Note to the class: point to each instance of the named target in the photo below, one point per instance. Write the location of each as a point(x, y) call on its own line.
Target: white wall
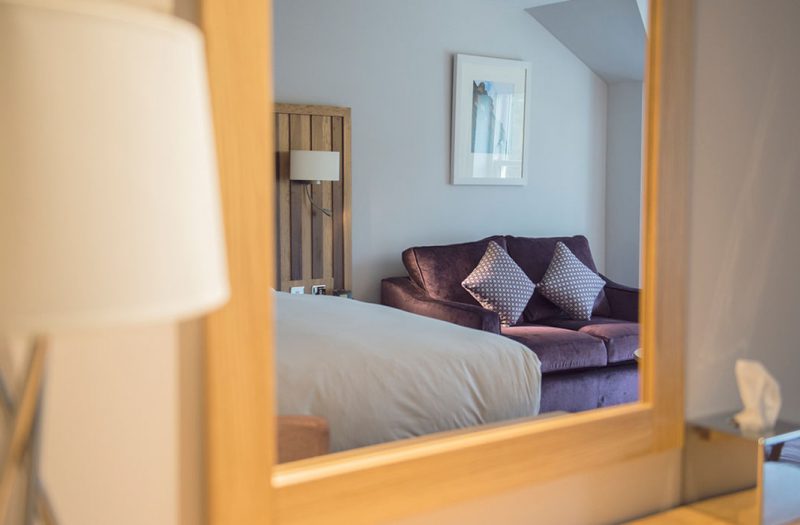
point(392, 63)
point(624, 181)
point(111, 413)
point(745, 243)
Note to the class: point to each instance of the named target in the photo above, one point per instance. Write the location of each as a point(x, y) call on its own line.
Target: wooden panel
point(238, 370)
point(327, 232)
point(300, 138)
point(311, 244)
point(310, 109)
point(320, 141)
point(316, 230)
point(284, 196)
point(337, 205)
point(347, 204)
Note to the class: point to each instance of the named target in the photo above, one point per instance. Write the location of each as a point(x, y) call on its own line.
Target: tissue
point(761, 396)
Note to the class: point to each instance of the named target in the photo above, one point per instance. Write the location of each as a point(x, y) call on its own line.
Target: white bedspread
point(379, 374)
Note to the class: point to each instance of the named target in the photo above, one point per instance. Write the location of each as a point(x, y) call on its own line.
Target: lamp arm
point(314, 205)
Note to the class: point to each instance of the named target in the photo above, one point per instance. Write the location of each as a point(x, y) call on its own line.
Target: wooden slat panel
point(295, 231)
point(316, 231)
point(337, 202)
point(315, 245)
point(284, 198)
point(310, 109)
point(327, 231)
point(347, 206)
point(320, 133)
point(300, 138)
point(320, 141)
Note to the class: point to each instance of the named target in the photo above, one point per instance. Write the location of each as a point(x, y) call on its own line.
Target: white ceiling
point(607, 35)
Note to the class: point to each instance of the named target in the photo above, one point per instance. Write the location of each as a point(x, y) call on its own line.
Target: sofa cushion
point(534, 254)
point(570, 284)
point(577, 324)
point(559, 349)
point(499, 285)
point(620, 337)
point(439, 270)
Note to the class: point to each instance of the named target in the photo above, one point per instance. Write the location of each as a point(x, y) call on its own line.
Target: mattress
point(379, 374)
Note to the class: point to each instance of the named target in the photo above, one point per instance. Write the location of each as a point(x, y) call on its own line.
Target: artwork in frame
point(489, 120)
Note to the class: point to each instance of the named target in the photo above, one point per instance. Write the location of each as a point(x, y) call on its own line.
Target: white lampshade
point(109, 201)
point(314, 165)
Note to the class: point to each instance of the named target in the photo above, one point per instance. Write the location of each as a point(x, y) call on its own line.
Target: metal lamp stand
point(24, 442)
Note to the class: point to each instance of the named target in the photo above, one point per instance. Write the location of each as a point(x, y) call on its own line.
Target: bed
point(379, 374)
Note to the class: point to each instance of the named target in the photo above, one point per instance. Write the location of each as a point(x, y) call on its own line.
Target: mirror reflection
point(458, 189)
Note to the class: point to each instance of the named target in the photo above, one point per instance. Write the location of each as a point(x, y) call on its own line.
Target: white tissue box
point(762, 467)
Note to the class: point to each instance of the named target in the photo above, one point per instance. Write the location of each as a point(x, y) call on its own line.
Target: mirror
point(475, 325)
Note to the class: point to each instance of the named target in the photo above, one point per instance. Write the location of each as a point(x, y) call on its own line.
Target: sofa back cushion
point(533, 255)
point(439, 270)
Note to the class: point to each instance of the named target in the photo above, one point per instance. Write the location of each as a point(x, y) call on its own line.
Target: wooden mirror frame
point(395, 479)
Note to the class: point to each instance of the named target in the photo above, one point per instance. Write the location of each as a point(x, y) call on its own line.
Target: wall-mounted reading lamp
point(314, 166)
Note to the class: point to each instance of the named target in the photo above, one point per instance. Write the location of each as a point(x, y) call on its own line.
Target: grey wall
point(392, 63)
point(624, 181)
point(745, 243)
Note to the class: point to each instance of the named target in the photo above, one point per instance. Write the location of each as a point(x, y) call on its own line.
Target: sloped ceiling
point(607, 35)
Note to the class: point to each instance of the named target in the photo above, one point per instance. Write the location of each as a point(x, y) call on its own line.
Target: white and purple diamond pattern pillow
point(499, 285)
point(570, 284)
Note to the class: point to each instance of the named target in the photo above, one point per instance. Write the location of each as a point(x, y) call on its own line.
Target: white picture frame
point(489, 121)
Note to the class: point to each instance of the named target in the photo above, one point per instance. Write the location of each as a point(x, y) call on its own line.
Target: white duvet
point(379, 374)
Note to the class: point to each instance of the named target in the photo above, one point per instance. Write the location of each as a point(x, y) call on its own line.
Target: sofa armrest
point(623, 300)
point(402, 293)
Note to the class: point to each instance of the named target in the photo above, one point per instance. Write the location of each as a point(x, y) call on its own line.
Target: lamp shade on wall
point(109, 199)
point(313, 165)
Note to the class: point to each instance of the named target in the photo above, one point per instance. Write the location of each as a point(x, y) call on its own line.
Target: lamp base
point(24, 442)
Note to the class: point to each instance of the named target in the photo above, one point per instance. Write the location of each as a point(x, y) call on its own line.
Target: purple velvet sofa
point(585, 364)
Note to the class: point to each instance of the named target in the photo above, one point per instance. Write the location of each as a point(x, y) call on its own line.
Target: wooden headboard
point(312, 247)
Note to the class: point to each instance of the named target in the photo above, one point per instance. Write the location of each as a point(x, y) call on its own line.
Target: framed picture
point(489, 120)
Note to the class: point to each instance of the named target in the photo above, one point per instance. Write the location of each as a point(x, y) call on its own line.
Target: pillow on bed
point(499, 285)
point(570, 284)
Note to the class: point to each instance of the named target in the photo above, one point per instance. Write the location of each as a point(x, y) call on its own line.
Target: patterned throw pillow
point(570, 285)
point(499, 285)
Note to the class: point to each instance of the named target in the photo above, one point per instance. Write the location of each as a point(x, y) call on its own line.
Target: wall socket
point(298, 289)
point(318, 289)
